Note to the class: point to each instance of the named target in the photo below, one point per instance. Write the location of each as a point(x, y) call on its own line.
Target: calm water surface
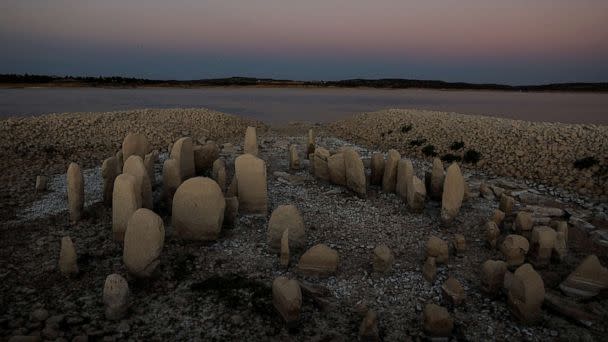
point(317, 105)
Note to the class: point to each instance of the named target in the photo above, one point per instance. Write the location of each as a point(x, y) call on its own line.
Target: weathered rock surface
point(251, 141)
point(337, 169)
point(526, 294)
point(126, 200)
point(320, 160)
point(437, 321)
point(287, 298)
point(143, 243)
point(416, 195)
point(506, 204)
point(492, 234)
point(453, 193)
point(492, 276)
point(135, 144)
point(109, 172)
point(75, 192)
point(68, 264)
point(389, 178)
point(587, 280)
point(355, 172)
point(437, 179)
point(182, 151)
point(286, 217)
point(429, 269)
point(437, 248)
point(405, 171)
point(198, 209)
point(250, 173)
point(453, 291)
point(515, 248)
point(383, 259)
point(218, 173)
point(171, 180)
point(204, 156)
point(524, 223)
point(135, 166)
point(377, 168)
point(115, 297)
point(319, 260)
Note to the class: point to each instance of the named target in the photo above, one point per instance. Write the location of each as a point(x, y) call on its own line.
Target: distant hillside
point(13, 80)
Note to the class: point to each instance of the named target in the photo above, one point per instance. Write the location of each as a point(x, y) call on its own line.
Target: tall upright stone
point(437, 179)
point(294, 158)
point(337, 169)
point(437, 321)
point(286, 217)
point(126, 200)
point(250, 172)
point(377, 169)
point(115, 297)
point(251, 141)
point(492, 276)
point(135, 144)
point(389, 178)
point(219, 173)
point(526, 294)
point(310, 145)
point(182, 151)
point(198, 209)
point(320, 161)
point(355, 172)
point(135, 167)
point(453, 193)
point(75, 192)
point(109, 172)
point(67, 257)
point(416, 195)
point(171, 180)
point(143, 244)
point(405, 172)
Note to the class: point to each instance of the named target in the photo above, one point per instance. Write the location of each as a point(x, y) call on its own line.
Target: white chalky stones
point(198, 209)
point(143, 243)
point(286, 217)
point(250, 172)
point(115, 297)
point(75, 192)
point(182, 151)
point(126, 199)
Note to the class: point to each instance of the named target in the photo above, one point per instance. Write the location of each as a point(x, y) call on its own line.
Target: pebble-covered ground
point(221, 290)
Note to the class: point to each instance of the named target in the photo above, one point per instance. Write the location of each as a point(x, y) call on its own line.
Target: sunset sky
point(514, 41)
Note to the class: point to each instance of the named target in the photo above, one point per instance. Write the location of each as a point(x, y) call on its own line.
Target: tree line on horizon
point(390, 83)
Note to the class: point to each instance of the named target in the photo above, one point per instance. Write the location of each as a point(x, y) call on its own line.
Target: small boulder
point(251, 141)
point(453, 291)
point(75, 182)
point(453, 193)
point(486, 192)
point(182, 151)
point(286, 217)
point(149, 162)
point(587, 280)
point(515, 248)
point(437, 248)
point(389, 178)
point(337, 170)
point(377, 169)
point(438, 175)
point(115, 297)
point(287, 298)
point(294, 158)
point(383, 259)
point(429, 270)
point(143, 243)
point(506, 204)
point(526, 294)
point(68, 264)
point(524, 223)
point(320, 161)
point(437, 321)
point(368, 330)
point(498, 216)
point(319, 260)
point(460, 244)
point(198, 209)
point(126, 200)
point(355, 172)
point(492, 276)
point(250, 174)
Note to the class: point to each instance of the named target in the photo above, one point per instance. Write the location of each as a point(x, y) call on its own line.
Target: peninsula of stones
point(401, 225)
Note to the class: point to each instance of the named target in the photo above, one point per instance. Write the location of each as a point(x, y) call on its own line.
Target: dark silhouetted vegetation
point(471, 156)
point(450, 158)
point(429, 151)
point(585, 163)
point(417, 142)
point(457, 145)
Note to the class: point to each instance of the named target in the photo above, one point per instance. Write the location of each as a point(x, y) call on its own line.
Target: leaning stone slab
point(453, 193)
point(251, 184)
point(198, 209)
point(287, 298)
point(286, 217)
point(125, 201)
point(182, 151)
point(587, 280)
point(319, 260)
point(143, 244)
point(75, 192)
point(115, 297)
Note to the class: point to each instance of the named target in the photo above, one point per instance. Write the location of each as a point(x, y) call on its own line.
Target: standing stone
point(287, 298)
point(437, 321)
point(320, 161)
point(125, 201)
point(294, 158)
point(286, 217)
point(115, 297)
point(109, 172)
point(284, 257)
point(198, 209)
point(429, 270)
point(389, 178)
point(498, 216)
point(182, 152)
point(492, 276)
point(437, 179)
point(460, 244)
point(355, 172)
point(219, 173)
point(453, 193)
point(561, 241)
point(310, 146)
point(233, 189)
point(337, 170)
point(319, 260)
point(492, 234)
point(524, 223)
point(135, 167)
point(251, 141)
point(453, 291)
point(416, 194)
point(41, 183)
point(368, 330)
point(75, 192)
point(377, 168)
point(251, 183)
point(383, 259)
point(587, 280)
point(543, 242)
point(171, 180)
point(204, 156)
point(231, 211)
point(143, 244)
point(149, 162)
point(506, 204)
point(67, 257)
point(405, 172)
point(526, 294)
point(437, 248)
point(135, 144)
point(515, 248)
